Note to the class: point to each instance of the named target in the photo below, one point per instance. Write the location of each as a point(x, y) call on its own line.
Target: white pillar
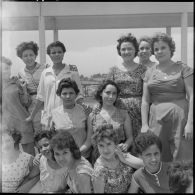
point(168, 31)
point(42, 35)
point(184, 36)
point(55, 31)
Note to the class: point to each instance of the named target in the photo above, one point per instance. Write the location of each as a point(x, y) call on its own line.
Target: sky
point(93, 51)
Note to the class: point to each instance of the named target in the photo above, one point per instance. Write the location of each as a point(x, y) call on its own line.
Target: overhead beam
point(98, 22)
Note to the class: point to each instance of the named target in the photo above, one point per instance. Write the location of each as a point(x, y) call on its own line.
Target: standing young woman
point(128, 77)
point(50, 77)
point(145, 52)
point(27, 52)
point(169, 87)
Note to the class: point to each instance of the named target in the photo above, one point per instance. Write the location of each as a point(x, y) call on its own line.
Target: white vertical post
point(42, 35)
point(55, 31)
point(168, 31)
point(184, 36)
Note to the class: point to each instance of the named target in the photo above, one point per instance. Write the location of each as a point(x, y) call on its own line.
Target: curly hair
point(56, 44)
point(165, 38)
point(128, 38)
point(15, 134)
point(105, 131)
point(144, 140)
point(101, 87)
point(43, 134)
point(146, 39)
point(180, 173)
point(25, 46)
point(67, 83)
point(63, 140)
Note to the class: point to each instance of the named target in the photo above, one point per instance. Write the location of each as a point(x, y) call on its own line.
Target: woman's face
point(68, 97)
point(63, 157)
point(29, 57)
point(44, 147)
point(56, 55)
point(152, 158)
point(127, 51)
point(144, 50)
point(162, 51)
point(7, 143)
point(6, 71)
point(106, 148)
point(109, 95)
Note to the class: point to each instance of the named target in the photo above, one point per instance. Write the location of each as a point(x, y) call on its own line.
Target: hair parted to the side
point(67, 83)
point(159, 36)
point(180, 175)
point(128, 38)
point(146, 39)
point(101, 88)
point(105, 131)
point(27, 46)
point(64, 140)
point(55, 44)
point(145, 140)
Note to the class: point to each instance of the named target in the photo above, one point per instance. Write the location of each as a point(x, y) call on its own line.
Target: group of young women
point(97, 149)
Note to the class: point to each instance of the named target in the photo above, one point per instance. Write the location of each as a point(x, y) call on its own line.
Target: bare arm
point(39, 104)
point(188, 131)
point(128, 134)
point(84, 182)
point(145, 108)
point(98, 184)
point(87, 143)
point(133, 187)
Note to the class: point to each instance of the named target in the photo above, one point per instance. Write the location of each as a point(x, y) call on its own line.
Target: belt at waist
point(33, 93)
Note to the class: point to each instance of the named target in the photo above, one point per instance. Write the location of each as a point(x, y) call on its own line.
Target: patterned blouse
point(116, 180)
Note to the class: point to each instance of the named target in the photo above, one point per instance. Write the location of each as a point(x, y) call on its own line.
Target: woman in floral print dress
point(129, 77)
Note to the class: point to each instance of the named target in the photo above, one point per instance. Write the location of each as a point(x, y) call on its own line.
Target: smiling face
point(162, 51)
point(109, 95)
point(56, 55)
point(68, 97)
point(44, 147)
point(127, 51)
point(152, 158)
point(29, 57)
point(7, 143)
point(63, 157)
point(144, 50)
point(106, 148)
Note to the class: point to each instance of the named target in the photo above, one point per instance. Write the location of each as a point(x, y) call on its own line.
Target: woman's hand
point(188, 131)
point(123, 147)
point(144, 128)
point(36, 160)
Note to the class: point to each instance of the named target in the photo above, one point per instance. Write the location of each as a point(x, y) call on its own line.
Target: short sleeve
point(186, 71)
point(99, 170)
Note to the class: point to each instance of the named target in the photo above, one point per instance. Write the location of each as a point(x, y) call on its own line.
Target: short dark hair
point(56, 44)
point(105, 131)
point(67, 83)
point(159, 36)
point(43, 134)
point(15, 134)
point(25, 46)
point(128, 38)
point(102, 86)
point(63, 140)
point(180, 173)
point(144, 140)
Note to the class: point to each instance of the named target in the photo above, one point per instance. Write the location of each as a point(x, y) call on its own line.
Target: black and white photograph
point(96, 97)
